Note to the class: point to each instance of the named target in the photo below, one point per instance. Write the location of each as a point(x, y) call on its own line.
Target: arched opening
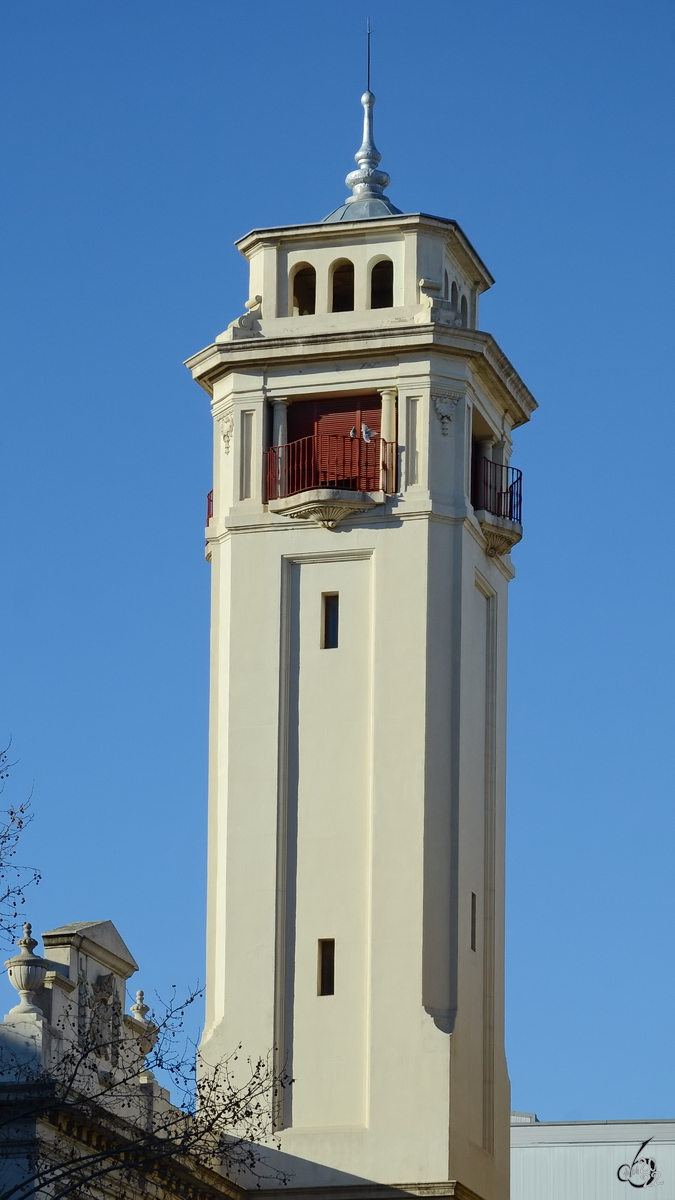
point(446, 286)
point(304, 292)
point(454, 296)
point(343, 287)
point(382, 284)
point(464, 312)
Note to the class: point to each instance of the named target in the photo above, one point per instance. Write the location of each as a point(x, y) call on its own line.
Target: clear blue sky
point(139, 140)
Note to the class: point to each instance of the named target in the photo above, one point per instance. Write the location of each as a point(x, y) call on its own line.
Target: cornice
point(495, 369)
point(450, 1188)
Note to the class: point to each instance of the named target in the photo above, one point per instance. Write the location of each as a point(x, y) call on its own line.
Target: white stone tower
point(362, 514)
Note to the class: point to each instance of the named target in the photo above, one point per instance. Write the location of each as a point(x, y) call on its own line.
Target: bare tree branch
point(14, 878)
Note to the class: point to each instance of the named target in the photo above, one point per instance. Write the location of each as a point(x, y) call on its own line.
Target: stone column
point(388, 482)
point(279, 439)
point(388, 414)
point(279, 421)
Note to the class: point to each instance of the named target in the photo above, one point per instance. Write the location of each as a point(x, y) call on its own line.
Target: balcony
point(497, 498)
point(327, 477)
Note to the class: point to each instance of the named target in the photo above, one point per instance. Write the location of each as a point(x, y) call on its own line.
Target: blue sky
point(139, 140)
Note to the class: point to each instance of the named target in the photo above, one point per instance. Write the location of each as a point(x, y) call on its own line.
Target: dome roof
point(363, 210)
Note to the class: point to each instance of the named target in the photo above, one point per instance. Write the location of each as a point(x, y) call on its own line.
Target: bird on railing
point(366, 433)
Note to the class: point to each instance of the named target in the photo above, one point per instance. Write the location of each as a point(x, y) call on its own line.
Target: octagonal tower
point(360, 528)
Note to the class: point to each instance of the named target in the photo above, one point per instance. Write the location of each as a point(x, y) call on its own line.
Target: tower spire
point(367, 183)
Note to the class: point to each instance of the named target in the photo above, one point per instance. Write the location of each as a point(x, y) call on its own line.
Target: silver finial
point(367, 183)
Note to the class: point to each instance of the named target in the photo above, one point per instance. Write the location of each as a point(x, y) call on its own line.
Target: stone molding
point(452, 1189)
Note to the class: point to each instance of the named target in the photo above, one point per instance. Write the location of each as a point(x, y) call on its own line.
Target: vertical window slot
point(331, 621)
point(473, 920)
point(326, 967)
point(246, 462)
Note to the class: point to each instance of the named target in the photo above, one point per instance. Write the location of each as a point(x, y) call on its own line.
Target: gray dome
point(363, 210)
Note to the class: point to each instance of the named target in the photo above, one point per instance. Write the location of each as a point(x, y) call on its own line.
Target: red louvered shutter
point(300, 420)
point(345, 451)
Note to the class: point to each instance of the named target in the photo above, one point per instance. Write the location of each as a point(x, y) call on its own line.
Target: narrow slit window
point(331, 621)
point(326, 967)
point(473, 920)
point(245, 490)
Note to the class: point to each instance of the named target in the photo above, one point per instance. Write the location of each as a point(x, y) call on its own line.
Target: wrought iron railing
point(331, 461)
point(497, 489)
point(209, 507)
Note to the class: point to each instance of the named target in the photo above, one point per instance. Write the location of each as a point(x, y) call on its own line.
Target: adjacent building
point(590, 1160)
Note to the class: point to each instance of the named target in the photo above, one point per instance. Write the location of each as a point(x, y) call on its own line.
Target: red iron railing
point(331, 461)
point(497, 489)
point(209, 507)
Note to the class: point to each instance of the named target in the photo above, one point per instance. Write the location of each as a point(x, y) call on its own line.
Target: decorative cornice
point(221, 359)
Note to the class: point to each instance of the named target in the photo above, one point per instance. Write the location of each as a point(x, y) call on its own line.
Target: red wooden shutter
point(300, 418)
point(339, 454)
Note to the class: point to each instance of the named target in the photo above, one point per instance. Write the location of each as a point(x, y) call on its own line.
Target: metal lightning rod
point(368, 53)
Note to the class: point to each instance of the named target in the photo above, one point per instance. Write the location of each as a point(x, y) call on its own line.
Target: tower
point(362, 514)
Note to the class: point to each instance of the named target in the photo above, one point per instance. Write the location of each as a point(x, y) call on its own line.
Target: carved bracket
point(329, 515)
point(500, 534)
point(227, 428)
point(252, 314)
point(445, 404)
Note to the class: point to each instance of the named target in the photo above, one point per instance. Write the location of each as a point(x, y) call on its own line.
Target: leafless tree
point(14, 878)
point(98, 1125)
point(81, 1110)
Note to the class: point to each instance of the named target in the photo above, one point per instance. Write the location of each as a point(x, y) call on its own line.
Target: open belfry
point(360, 526)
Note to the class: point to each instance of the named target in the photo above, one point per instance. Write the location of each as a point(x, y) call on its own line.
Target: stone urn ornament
point(26, 973)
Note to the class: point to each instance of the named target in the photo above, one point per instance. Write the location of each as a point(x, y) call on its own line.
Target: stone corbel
point(445, 403)
point(227, 428)
point(245, 326)
point(252, 314)
point(428, 291)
